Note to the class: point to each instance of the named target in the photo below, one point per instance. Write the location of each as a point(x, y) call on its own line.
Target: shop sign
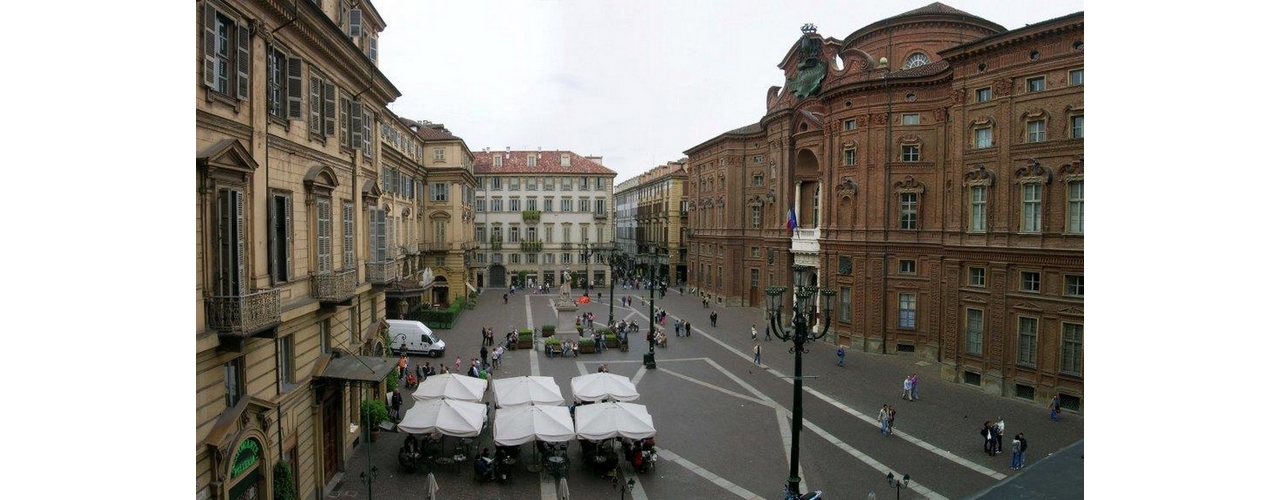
point(246, 456)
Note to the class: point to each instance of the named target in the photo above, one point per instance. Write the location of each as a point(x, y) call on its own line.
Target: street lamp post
point(898, 485)
point(650, 362)
point(613, 247)
point(799, 335)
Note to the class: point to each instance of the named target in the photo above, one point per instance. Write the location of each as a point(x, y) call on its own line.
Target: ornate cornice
point(979, 176)
point(908, 185)
point(1032, 172)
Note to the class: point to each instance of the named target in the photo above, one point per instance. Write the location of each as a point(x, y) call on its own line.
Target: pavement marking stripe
point(784, 425)
point(716, 388)
point(548, 486)
point(866, 459)
point(706, 474)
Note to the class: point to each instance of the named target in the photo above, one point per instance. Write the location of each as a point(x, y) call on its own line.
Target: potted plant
point(610, 340)
point(551, 344)
point(524, 338)
point(282, 479)
point(548, 330)
point(374, 412)
point(586, 345)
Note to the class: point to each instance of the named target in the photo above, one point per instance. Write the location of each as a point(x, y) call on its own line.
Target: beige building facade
point(656, 206)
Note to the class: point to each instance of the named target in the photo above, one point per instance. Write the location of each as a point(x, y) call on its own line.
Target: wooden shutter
point(373, 239)
point(373, 48)
point(288, 236)
point(344, 121)
point(210, 45)
point(348, 235)
point(324, 236)
point(314, 109)
point(357, 129)
point(273, 248)
point(295, 88)
point(367, 123)
point(355, 24)
point(231, 243)
point(382, 236)
point(242, 62)
point(329, 114)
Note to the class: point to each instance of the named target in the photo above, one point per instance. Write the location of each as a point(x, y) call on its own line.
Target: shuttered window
point(229, 274)
point(324, 235)
point(348, 235)
point(293, 94)
point(281, 237)
point(367, 133)
point(357, 124)
point(226, 53)
point(354, 24)
point(344, 120)
point(330, 116)
point(314, 110)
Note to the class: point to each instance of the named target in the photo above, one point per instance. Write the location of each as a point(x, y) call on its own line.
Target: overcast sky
point(637, 82)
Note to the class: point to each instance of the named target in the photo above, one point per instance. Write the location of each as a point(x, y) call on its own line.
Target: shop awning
point(357, 368)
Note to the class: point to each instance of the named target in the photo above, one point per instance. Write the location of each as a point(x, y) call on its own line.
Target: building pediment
point(227, 154)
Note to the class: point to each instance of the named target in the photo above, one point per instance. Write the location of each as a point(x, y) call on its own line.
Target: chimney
point(508, 155)
point(598, 159)
point(539, 153)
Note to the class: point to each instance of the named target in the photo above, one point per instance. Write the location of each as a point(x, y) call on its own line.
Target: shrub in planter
point(548, 330)
point(374, 412)
point(282, 478)
point(586, 345)
point(524, 338)
point(551, 344)
point(611, 340)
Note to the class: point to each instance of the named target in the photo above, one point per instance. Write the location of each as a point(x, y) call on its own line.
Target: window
point(326, 337)
point(1074, 286)
point(1027, 330)
point(755, 252)
point(530, 160)
point(548, 204)
point(548, 184)
point(600, 184)
point(973, 332)
point(566, 205)
point(513, 234)
point(495, 184)
point(1077, 127)
point(1031, 193)
point(1075, 207)
point(226, 54)
point(1072, 349)
point(982, 138)
point(907, 207)
point(982, 94)
point(755, 216)
point(600, 206)
point(910, 152)
point(565, 231)
point(906, 266)
point(846, 304)
point(440, 232)
point(564, 259)
point(1031, 281)
point(497, 163)
point(495, 205)
point(497, 258)
point(978, 276)
point(757, 159)
point(917, 59)
point(348, 124)
point(324, 236)
point(531, 204)
point(850, 124)
point(323, 109)
point(480, 234)
point(439, 156)
point(531, 233)
point(515, 258)
point(377, 235)
point(366, 134)
point(513, 183)
point(850, 156)
point(284, 363)
point(566, 184)
point(513, 204)
point(977, 209)
point(584, 205)
point(1035, 84)
point(1075, 77)
point(1035, 131)
point(911, 119)
point(907, 310)
point(480, 204)
point(348, 235)
point(757, 180)
point(233, 381)
point(229, 274)
point(281, 237)
point(284, 86)
point(564, 159)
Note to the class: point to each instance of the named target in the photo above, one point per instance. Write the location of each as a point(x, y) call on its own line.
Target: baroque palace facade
point(318, 212)
point(934, 164)
point(540, 214)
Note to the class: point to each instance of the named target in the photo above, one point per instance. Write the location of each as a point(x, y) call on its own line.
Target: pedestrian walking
point(457, 364)
point(999, 435)
point(403, 364)
point(906, 388)
point(1055, 407)
point(504, 298)
point(484, 357)
point(753, 333)
point(1017, 452)
point(497, 356)
point(767, 337)
point(893, 413)
point(915, 387)
point(396, 401)
point(688, 328)
point(713, 319)
point(1020, 450)
point(839, 355)
point(883, 417)
point(757, 359)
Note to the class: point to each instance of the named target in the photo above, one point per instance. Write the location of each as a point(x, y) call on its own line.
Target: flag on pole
point(791, 219)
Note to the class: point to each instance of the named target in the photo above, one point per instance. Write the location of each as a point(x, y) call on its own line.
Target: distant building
point(940, 193)
point(653, 211)
point(536, 213)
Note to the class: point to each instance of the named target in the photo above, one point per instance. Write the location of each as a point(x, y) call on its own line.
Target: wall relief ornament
point(957, 97)
point(1002, 87)
point(1033, 172)
point(979, 176)
point(908, 185)
point(846, 187)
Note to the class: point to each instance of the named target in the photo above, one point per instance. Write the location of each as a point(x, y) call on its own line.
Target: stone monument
point(566, 311)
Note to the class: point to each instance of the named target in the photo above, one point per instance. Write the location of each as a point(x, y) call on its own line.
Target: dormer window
point(564, 159)
point(917, 59)
point(531, 160)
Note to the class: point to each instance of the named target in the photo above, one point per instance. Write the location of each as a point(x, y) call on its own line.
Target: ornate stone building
point(536, 212)
point(657, 208)
point(934, 163)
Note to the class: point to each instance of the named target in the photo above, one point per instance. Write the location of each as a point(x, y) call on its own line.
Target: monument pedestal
point(566, 314)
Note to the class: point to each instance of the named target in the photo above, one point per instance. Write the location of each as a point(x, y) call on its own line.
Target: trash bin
point(649, 362)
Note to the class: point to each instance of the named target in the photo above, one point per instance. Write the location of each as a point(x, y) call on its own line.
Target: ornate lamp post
point(800, 334)
point(649, 361)
point(898, 485)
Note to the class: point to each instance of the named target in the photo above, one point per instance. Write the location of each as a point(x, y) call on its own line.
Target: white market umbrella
point(445, 416)
point(516, 425)
point(602, 421)
point(600, 386)
point(526, 390)
point(451, 386)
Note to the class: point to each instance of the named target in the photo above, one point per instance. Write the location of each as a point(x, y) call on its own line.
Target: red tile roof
point(515, 162)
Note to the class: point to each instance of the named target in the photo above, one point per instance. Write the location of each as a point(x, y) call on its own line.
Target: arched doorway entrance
point(440, 291)
point(497, 276)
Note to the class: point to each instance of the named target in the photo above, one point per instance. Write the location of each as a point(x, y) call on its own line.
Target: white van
point(414, 337)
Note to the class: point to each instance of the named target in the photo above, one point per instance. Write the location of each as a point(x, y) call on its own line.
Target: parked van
point(414, 337)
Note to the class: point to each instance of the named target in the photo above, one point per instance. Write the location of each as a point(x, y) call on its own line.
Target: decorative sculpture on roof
point(812, 69)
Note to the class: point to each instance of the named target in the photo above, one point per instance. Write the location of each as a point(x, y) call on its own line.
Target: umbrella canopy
point(445, 416)
point(526, 390)
point(607, 420)
point(451, 386)
point(603, 385)
point(517, 425)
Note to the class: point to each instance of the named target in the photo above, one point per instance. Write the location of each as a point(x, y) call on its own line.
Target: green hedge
point(525, 335)
point(442, 318)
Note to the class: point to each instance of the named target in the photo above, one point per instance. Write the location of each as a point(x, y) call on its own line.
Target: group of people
point(993, 442)
point(910, 387)
point(886, 417)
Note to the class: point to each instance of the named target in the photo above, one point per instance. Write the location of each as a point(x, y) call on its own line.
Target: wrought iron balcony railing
point(381, 273)
point(334, 286)
point(244, 314)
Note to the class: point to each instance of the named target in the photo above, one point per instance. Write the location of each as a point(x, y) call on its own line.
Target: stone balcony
point(334, 287)
point(381, 273)
point(439, 246)
point(243, 315)
point(805, 240)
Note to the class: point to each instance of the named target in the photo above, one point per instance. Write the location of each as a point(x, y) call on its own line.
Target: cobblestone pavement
point(724, 422)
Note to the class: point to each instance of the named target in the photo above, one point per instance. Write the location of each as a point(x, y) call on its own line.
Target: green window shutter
point(295, 88)
point(367, 123)
point(288, 236)
point(314, 109)
point(344, 122)
point(210, 42)
point(348, 236)
point(329, 105)
point(373, 240)
point(324, 236)
point(242, 62)
point(357, 128)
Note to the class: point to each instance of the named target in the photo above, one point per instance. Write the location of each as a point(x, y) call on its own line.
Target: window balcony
point(531, 216)
point(243, 315)
point(531, 246)
point(334, 287)
point(381, 273)
point(495, 244)
point(439, 246)
point(805, 241)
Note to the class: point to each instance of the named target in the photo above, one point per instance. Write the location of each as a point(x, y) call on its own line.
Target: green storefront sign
point(246, 456)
